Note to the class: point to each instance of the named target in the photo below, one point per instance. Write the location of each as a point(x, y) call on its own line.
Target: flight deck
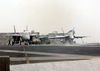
point(49, 53)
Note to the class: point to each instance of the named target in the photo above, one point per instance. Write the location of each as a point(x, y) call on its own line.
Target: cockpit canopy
point(71, 31)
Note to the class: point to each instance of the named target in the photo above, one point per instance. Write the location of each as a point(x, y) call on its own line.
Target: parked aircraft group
point(28, 38)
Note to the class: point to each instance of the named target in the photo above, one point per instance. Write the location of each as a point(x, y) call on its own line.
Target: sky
point(46, 16)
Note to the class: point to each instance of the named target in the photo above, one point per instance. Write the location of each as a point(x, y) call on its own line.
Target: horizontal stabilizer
point(75, 36)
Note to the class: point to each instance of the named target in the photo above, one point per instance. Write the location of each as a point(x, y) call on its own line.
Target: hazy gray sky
point(45, 16)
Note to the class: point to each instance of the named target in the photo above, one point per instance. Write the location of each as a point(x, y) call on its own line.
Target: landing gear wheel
point(20, 43)
point(12, 43)
point(26, 43)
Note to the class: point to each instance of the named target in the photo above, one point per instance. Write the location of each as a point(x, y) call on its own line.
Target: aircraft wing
point(43, 36)
point(75, 36)
point(58, 37)
point(12, 35)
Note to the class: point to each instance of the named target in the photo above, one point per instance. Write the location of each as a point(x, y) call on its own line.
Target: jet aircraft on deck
point(24, 37)
point(69, 37)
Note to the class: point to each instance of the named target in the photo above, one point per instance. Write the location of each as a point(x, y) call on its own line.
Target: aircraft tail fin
point(63, 31)
point(14, 29)
point(73, 30)
point(26, 28)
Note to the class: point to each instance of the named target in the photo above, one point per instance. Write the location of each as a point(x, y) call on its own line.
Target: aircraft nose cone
point(72, 37)
point(28, 37)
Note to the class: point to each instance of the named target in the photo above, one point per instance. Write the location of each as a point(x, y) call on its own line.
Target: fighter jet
point(18, 38)
point(69, 37)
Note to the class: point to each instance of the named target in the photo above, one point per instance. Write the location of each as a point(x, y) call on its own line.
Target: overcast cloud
point(45, 16)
